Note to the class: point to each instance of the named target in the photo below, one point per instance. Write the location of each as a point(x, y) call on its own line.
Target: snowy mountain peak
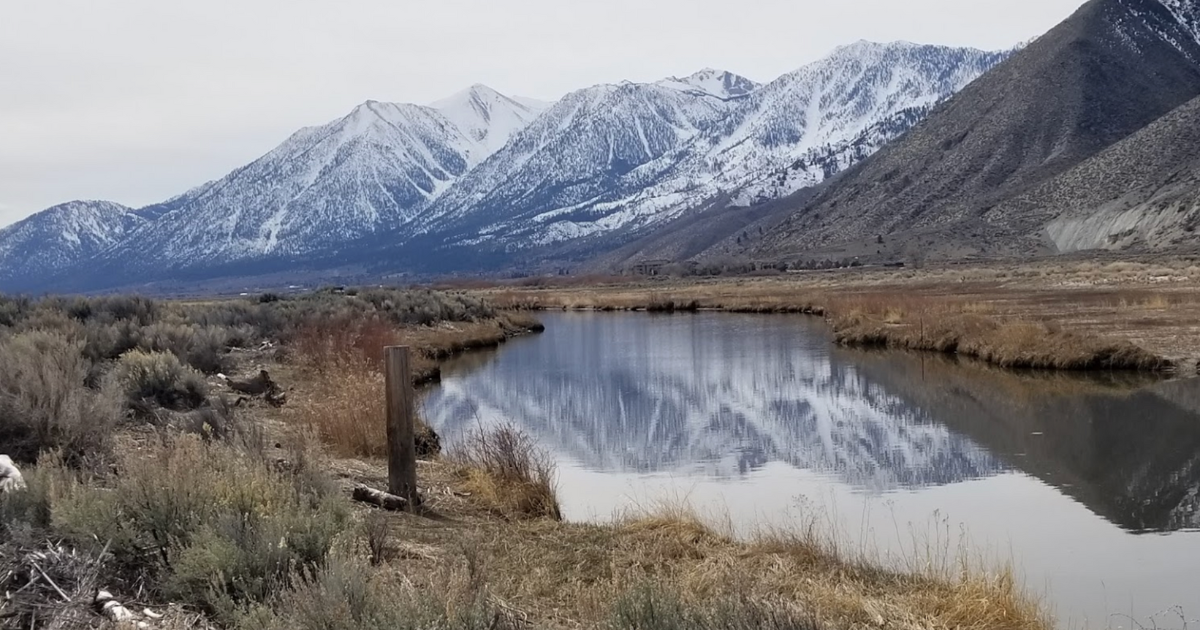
point(868, 51)
point(718, 83)
point(610, 160)
point(486, 116)
point(376, 168)
point(477, 92)
point(61, 236)
point(535, 104)
point(499, 175)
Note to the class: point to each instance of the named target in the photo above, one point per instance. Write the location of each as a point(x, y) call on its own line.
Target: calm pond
point(1089, 486)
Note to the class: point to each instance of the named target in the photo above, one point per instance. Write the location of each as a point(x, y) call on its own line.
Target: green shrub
point(108, 341)
point(202, 347)
point(13, 309)
point(141, 310)
point(161, 378)
point(44, 403)
point(346, 595)
point(212, 524)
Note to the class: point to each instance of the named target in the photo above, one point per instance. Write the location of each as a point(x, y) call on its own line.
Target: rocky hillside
point(1105, 73)
point(1142, 192)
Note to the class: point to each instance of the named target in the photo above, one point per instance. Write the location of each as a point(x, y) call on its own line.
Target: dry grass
point(326, 346)
point(567, 575)
point(346, 407)
point(508, 472)
point(341, 381)
point(1010, 344)
point(1087, 313)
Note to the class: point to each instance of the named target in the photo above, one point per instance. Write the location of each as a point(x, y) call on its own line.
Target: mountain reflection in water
point(722, 396)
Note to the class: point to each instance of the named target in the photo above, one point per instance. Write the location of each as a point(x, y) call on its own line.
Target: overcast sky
point(135, 101)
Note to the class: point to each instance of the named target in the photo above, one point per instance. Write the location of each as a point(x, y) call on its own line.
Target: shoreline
point(670, 547)
point(479, 549)
point(980, 339)
point(1032, 318)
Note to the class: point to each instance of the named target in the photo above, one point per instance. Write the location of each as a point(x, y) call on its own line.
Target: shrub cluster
point(213, 523)
point(44, 403)
point(160, 378)
point(74, 367)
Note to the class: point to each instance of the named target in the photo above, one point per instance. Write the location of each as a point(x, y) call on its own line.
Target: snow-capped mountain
point(493, 176)
point(848, 104)
point(586, 170)
point(711, 82)
point(591, 142)
point(63, 236)
point(971, 179)
point(374, 169)
point(487, 117)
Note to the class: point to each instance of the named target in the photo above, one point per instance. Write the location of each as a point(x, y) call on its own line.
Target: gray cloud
point(137, 100)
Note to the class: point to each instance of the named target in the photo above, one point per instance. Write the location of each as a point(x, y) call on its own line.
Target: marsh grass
point(1012, 343)
point(265, 539)
point(342, 376)
point(346, 407)
point(507, 471)
point(806, 565)
point(1098, 317)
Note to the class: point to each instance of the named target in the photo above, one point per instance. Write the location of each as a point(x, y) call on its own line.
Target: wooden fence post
point(402, 450)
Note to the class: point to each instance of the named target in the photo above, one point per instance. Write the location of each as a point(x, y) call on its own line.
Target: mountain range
point(996, 171)
point(480, 178)
point(1082, 139)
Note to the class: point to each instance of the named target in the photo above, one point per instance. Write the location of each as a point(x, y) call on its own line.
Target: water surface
point(1090, 486)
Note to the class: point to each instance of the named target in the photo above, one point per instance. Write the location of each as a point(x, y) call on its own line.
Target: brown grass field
point(1072, 315)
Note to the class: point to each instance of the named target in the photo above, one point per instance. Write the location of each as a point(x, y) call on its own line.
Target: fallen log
point(379, 498)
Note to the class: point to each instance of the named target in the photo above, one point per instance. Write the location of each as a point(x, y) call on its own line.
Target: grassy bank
point(149, 478)
point(1082, 316)
point(240, 537)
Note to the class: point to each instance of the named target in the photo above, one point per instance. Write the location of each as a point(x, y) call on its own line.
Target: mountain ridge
point(880, 150)
point(864, 92)
point(57, 238)
point(1111, 69)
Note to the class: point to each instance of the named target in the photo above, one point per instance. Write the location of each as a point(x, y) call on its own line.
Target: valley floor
point(1046, 314)
point(485, 552)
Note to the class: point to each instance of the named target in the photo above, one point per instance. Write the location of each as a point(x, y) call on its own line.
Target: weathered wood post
point(402, 450)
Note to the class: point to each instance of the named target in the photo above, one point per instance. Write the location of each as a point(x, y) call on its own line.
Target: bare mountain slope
point(1142, 192)
point(1104, 73)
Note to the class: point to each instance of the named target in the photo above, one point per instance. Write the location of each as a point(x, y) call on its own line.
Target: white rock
point(10, 478)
